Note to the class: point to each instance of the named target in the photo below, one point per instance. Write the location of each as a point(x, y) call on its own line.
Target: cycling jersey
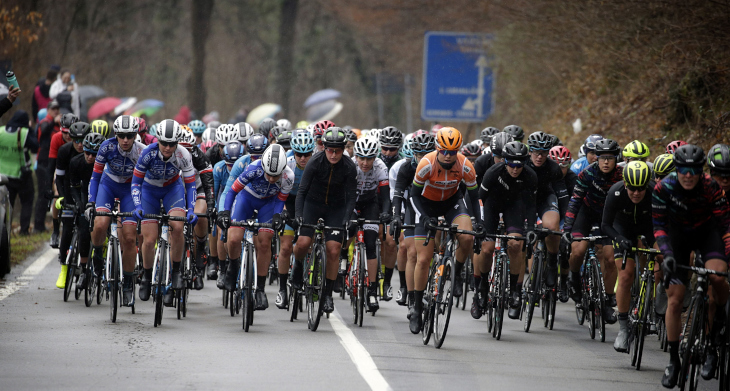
point(579, 165)
point(438, 184)
point(148, 139)
point(550, 187)
point(220, 177)
point(389, 161)
point(482, 164)
point(404, 172)
point(298, 171)
point(65, 154)
point(333, 185)
point(115, 164)
point(513, 197)
point(214, 154)
point(204, 177)
point(156, 172)
point(622, 219)
point(79, 176)
point(684, 212)
point(57, 142)
point(372, 183)
point(393, 177)
point(590, 191)
point(238, 168)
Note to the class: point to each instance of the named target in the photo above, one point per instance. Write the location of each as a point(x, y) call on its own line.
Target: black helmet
point(275, 132)
point(515, 131)
point(719, 158)
point(266, 125)
point(79, 130)
point(92, 142)
point(390, 136)
point(351, 136)
point(470, 150)
point(689, 155)
point(555, 140)
point(284, 139)
point(515, 150)
point(607, 146)
point(334, 137)
point(423, 142)
point(487, 133)
point(499, 141)
point(540, 141)
point(68, 119)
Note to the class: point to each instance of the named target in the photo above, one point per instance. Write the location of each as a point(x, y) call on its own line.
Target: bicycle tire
point(362, 285)
point(232, 302)
point(352, 277)
point(294, 299)
point(468, 271)
point(445, 299)
point(698, 337)
point(532, 290)
point(158, 286)
point(315, 296)
point(580, 315)
point(599, 301)
point(77, 267)
point(553, 301)
point(722, 366)
point(427, 313)
point(496, 295)
point(114, 302)
point(70, 271)
point(90, 290)
point(99, 289)
point(588, 301)
point(247, 299)
point(504, 302)
point(224, 298)
point(647, 309)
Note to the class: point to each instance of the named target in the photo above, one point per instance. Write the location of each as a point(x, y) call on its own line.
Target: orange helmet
point(186, 128)
point(448, 138)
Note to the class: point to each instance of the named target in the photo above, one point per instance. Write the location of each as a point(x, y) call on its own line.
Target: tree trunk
point(200, 27)
point(285, 51)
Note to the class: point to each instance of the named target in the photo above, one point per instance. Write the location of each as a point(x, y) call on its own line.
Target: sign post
point(457, 78)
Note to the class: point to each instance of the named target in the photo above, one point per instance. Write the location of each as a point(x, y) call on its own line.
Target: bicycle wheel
point(428, 308)
point(361, 286)
point(352, 281)
point(468, 277)
point(70, 271)
point(696, 347)
point(294, 299)
point(496, 296)
point(599, 300)
point(646, 309)
point(532, 288)
point(315, 289)
point(233, 301)
point(444, 300)
point(159, 284)
point(247, 299)
point(90, 290)
point(503, 297)
point(115, 277)
point(99, 289)
point(77, 290)
point(552, 302)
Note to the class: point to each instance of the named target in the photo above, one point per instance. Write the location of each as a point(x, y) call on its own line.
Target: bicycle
point(594, 294)
point(358, 280)
point(641, 310)
point(188, 269)
point(442, 279)
point(113, 277)
point(499, 289)
point(314, 273)
point(694, 339)
point(73, 259)
point(535, 292)
point(162, 268)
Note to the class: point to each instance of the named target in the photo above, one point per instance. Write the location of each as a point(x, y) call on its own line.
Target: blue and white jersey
point(292, 164)
point(114, 163)
point(254, 182)
point(579, 165)
point(159, 172)
point(238, 168)
point(289, 153)
point(220, 178)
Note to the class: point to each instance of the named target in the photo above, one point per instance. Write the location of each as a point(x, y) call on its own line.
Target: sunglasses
point(689, 170)
point(126, 136)
point(390, 149)
point(334, 151)
point(77, 140)
point(723, 175)
point(90, 153)
point(635, 188)
point(447, 153)
point(607, 157)
point(167, 144)
point(514, 164)
point(297, 154)
point(539, 152)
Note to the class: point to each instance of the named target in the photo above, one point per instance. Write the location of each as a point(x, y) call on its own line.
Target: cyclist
point(636, 151)
point(626, 216)
point(551, 192)
point(284, 139)
point(145, 137)
point(223, 135)
point(265, 127)
point(719, 162)
point(422, 144)
point(245, 132)
point(256, 146)
point(101, 127)
point(267, 183)
point(284, 123)
point(204, 201)
point(672, 146)
point(515, 131)
point(274, 134)
point(327, 190)
point(561, 155)
point(79, 174)
point(663, 166)
point(58, 140)
point(373, 203)
point(434, 193)
point(691, 213)
point(588, 148)
point(77, 132)
point(231, 153)
point(391, 140)
point(486, 136)
point(471, 151)
point(157, 179)
point(111, 179)
point(508, 188)
point(484, 162)
point(198, 127)
point(584, 212)
point(303, 145)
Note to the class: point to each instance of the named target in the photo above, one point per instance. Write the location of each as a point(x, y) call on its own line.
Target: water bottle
point(11, 79)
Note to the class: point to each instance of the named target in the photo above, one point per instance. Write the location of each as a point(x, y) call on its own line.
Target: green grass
point(23, 246)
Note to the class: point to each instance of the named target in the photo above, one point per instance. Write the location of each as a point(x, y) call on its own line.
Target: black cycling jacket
point(65, 154)
point(79, 175)
point(329, 184)
point(205, 170)
point(620, 210)
point(520, 191)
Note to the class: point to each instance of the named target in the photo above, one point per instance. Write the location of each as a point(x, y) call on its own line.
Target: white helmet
point(207, 136)
point(138, 138)
point(126, 124)
point(478, 143)
point(168, 131)
point(284, 123)
point(310, 129)
point(366, 147)
point(273, 160)
point(375, 133)
point(187, 140)
point(225, 134)
point(245, 131)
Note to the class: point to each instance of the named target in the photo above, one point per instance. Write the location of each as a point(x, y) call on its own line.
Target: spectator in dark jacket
point(7, 102)
point(46, 129)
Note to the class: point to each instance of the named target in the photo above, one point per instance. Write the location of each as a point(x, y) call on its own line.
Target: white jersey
point(368, 182)
point(393, 177)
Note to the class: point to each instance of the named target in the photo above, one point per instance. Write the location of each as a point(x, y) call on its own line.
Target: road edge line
point(27, 275)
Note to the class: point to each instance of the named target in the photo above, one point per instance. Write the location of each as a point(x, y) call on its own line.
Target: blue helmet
point(302, 141)
point(197, 126)
point(232, 151)
point(590, 143)
point(257, 144)
point(406, 151)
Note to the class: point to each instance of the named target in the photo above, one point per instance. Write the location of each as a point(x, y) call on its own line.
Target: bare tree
point(200, 28)
point(286, 53)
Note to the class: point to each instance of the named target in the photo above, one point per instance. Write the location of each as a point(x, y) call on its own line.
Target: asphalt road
point(46, 343)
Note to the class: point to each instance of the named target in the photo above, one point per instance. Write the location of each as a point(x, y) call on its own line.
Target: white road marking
point(28, 274)
point(359, 355)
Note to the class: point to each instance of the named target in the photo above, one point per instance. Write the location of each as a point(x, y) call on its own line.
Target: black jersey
point(79, 175)
point(328, 184)
point(620, 212)
point(65, 154)
point(482, 164)
point(499, 184)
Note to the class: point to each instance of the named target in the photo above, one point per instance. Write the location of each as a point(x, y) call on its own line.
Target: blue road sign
point(457, 79)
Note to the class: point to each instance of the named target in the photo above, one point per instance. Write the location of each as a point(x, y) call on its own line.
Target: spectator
point(16, 140)
point(42, 93)
point(67, 83)
point(46, 129)
point(7, 102)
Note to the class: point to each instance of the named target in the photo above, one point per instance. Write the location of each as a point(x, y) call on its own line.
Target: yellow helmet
point(100, 126)
point(636, 150)
point(636, 174)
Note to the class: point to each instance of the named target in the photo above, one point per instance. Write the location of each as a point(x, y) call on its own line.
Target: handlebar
point(453, 228)
point(396, 236)
point(650, 251)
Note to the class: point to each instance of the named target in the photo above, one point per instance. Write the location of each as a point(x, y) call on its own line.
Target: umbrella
point(147, 107)
point(321, 96)
point(266, 110)
point(103, 106)
point(90, 92)
point(124, 105)
point(324, 111)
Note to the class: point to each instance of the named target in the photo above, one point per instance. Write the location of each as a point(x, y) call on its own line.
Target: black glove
point(565, 242)
point(48, 194)
point(89, 210)
point(432, 223)
point(669, 266)
point(350, 225)
point(224, 219)
point(395, 225)
point(385, 217)
point(479, 228)
point(623, 244)
point(295, 223)
point(277, 222)
point(211, 212)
